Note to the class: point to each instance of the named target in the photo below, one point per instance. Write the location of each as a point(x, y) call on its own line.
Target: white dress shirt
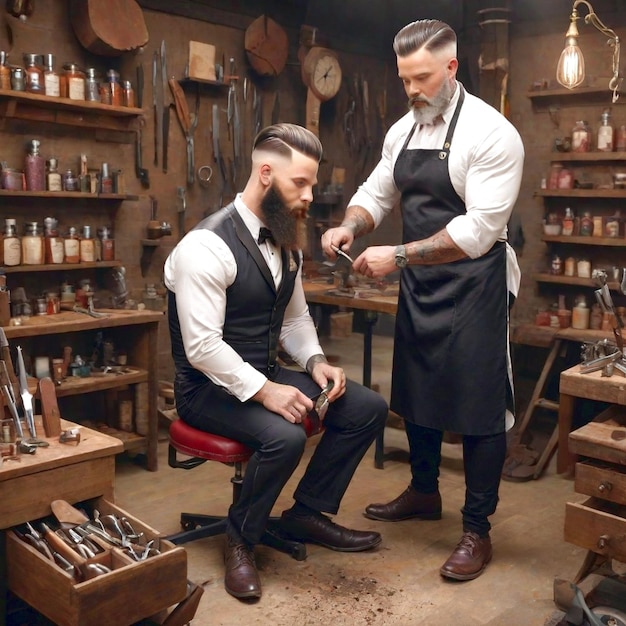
point(199, 270)
point(485, 164)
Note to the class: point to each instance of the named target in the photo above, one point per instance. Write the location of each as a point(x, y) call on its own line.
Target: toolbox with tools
point(123, 590)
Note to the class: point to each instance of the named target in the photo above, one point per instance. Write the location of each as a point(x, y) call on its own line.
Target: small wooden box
point(133, 591)
point(201, 61)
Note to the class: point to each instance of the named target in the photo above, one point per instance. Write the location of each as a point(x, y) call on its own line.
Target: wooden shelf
point(79, 113)
point(597, 157)
point(70, 321)
point(75, 385)
point(581, 96)
point(58, 267)
point(545, 277)
point(617, 242)
point(68, 195)
point(582, 193)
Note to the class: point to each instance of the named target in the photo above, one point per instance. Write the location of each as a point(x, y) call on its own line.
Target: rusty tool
point(140, 171)
point(188, 124)
point(50, 413)
point(166, 108)
point(157, 108)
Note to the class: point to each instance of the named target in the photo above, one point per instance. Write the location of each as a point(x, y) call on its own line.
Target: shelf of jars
point(576, 281)
point(68, 195)
point(543, 98)
point(82, 113)
point(581, 193)
point(581, 157)
point(58, 267)
point(585, 240)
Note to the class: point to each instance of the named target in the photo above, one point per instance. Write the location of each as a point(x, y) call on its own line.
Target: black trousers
point(483, 461)
point(351, 425)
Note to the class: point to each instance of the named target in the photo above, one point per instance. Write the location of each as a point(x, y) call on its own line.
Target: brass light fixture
point(570, 71)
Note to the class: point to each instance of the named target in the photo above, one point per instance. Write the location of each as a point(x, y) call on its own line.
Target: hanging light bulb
point(570, 71)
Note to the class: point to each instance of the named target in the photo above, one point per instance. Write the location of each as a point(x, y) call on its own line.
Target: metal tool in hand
point(188, 123)
point(27, 396)
point(341, 253)
point(317, 415)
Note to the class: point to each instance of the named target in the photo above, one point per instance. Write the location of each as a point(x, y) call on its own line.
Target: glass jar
point(51, 79)
point(586, 224)
point(107, 244)
point(33, 80)
point(75, 80)
point(11, 245)
point(71, 246)
point(129, 94)
point(87, 246)
point(92, 87)
point(53, 242)
point(84, 178)
point(32, 245)
point(566, 179)
point(580, 314)
point(568, 222)
point(17, 79)
point(12, 179)
point(581, 137)
point(70, 181)
point(53, 178)
point(5, 71)
point(116, 90)
point(620, 138)
point(605, 133)
point(553, 176)
point(35, 168)
point(106, 181)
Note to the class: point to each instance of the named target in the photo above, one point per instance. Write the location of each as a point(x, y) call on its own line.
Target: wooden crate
point(131, 592)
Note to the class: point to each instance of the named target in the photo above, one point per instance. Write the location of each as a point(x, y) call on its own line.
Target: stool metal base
point(197, 526)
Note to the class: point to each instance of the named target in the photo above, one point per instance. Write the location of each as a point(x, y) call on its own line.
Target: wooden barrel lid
point(267, 46)
point(109, 27)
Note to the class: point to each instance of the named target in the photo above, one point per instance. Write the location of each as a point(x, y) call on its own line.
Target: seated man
point(233, 296)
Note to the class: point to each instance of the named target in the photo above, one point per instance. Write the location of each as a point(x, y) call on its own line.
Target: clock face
point(325, 74)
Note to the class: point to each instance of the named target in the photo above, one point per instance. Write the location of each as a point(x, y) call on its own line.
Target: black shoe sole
point(422, 516)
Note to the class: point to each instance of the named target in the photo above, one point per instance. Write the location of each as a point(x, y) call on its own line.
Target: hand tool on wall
point(5, 355)
point(166, 108)
point(141, 172)
point(187, 124)
point(27, 396)
point(217, 154)
point(182, 207)
point(50, 413)
point(234, 122)
point(139, 86)
point(157, 108)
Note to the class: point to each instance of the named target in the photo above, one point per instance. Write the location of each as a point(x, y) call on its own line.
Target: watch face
point(326, 79)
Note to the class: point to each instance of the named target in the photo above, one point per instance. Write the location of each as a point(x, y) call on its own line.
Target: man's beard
point(435, 106)
point(288, 227)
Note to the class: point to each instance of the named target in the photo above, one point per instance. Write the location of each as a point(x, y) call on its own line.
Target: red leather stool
point(199, 446)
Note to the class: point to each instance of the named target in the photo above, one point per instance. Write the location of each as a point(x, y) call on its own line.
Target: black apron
point(450, 350)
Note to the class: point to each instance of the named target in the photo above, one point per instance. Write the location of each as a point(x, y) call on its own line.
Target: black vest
point(254, 309)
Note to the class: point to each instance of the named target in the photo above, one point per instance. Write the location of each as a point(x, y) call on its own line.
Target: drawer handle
point(603, 542)
point(605, 487)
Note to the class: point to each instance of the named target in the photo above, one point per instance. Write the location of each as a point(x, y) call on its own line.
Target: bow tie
point(264, 234)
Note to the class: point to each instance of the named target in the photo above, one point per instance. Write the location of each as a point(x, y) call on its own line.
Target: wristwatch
point(400, 255)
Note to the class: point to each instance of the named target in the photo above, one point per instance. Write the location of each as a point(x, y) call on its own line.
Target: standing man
point(455, 165)
point(235, 292)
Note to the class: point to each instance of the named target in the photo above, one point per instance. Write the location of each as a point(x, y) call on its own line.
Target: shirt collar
point(252, 222)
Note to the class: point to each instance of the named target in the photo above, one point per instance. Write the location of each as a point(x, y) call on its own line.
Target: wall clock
point(321, 73)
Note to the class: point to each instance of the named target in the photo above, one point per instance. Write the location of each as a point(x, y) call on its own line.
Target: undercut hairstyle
point(432, 35)
point(283, 138)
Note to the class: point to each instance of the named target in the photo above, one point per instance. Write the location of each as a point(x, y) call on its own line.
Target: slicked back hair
point(282, 138)
point(433, 35)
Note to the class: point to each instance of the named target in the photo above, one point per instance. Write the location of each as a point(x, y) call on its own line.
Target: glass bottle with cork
point(605, 133)
point(75, 81)
point(107, 244)
point(71, 245)
point(568, 222)
point(35, 168)
point(84, 178)
point(115, 88)
point(53, 242)
point(580, 314)
point(581, 137)
point(106, 181)
point(32, 245)
point(87, 246)
point(53, 177)
point(51, 78)
point(92, 87)
point(11, 245)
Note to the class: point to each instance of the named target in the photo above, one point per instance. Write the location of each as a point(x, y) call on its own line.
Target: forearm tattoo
point(436, 249)
point(358, 220)
point(313, 361)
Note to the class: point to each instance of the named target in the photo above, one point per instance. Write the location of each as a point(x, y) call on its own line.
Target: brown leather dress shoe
point(322, 531)
point(469, 558)
point(241, 578)
point(407, 505)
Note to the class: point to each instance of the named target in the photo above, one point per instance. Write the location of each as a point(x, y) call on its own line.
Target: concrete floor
point(396, 584)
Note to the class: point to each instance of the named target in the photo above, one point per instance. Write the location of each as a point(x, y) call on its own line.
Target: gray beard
point(428, 113)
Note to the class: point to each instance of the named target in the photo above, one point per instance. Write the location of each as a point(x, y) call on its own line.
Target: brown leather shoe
point(407, 505)
point(469, 558)
point(322, 531)
point(241, 578)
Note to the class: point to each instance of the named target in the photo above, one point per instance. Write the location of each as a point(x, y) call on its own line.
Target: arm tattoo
point(436, 249)
point(358, 220)
point(313, 361)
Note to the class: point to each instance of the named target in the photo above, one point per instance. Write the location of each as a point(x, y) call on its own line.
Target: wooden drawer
point(601, 480)
point(131, 592)
point(604, 438)
point(598, 526)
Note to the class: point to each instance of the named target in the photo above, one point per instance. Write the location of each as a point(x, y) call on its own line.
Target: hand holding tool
point(27, 396)
point(340, 252)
